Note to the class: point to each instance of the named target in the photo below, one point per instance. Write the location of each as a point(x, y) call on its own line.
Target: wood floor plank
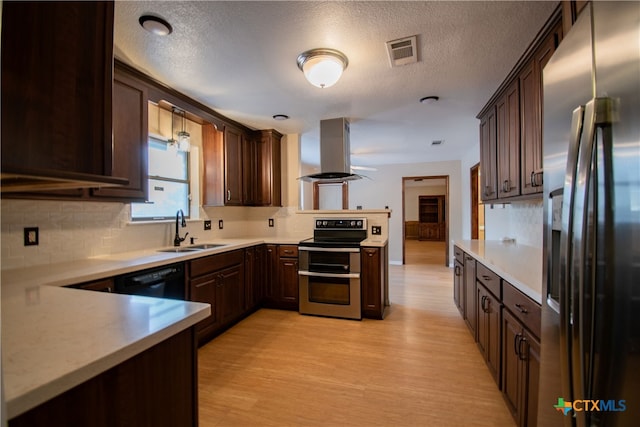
point(418, 367)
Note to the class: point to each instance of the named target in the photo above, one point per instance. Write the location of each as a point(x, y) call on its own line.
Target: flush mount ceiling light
point(322, 67)
point(280, 117)
point(155, 25)
point(429, 99)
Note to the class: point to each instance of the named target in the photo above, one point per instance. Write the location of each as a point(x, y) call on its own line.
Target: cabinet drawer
point(288, 251)
point(212, 263)
point(459, 254)
point(523, 307)
point(489, 279)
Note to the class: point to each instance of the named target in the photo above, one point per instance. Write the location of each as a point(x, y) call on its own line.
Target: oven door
point(329, 280)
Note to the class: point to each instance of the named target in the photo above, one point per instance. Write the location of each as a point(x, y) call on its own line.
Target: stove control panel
point(341, 224)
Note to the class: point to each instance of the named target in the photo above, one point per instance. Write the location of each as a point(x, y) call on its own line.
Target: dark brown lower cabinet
point(281, 277)
point(373, 278)
point(520, 370)
point(157, 387)
point(253, 277)
point(458, 295)
point(489, 323)
point(469, 290)
point(219, 281)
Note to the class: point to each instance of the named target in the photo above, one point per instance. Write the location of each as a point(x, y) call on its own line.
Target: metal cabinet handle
point(521, 309)
point(456, 270)
point(485, 277)
point(523, 352)
point(516, 345)
point(228, 195)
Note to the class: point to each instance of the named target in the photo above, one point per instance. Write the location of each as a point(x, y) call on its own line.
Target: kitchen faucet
point(177, 239)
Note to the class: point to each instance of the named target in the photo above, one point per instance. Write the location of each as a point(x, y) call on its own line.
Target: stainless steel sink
point(206, 246)
point(180, 250)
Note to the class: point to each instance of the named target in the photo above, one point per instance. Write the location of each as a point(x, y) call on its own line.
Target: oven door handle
point(340, 276)
point(321, 249)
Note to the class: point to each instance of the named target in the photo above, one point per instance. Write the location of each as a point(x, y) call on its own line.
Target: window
point(168, 183)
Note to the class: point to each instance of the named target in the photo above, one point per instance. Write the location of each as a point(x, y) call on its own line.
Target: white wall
point(469, 160)
point(385, 189)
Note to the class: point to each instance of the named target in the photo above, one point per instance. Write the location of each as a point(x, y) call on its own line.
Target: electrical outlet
point(270, 222)
point(376, 229)
point(31, 236)
point(220, 224)
point(207, 224)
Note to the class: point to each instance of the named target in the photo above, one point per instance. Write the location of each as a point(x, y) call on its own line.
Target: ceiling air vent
point(403, 51)
point(437, 142)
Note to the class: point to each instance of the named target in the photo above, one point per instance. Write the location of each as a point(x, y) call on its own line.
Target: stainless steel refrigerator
point(590, 355)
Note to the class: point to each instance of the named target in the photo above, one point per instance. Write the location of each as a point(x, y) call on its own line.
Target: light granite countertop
point(520, 265)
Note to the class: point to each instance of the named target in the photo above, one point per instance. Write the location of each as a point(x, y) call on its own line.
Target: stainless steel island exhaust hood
point(335, 162)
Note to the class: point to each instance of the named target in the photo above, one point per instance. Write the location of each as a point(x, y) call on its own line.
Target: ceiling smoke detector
point(403, 51)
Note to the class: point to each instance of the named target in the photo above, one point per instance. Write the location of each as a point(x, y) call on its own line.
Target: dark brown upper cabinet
point(511, 124)
point(57, 95)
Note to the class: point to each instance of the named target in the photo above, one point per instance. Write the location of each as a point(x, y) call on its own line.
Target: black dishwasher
point(167, 281)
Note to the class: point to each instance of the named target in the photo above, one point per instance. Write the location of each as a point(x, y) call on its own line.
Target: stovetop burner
point(337, 232)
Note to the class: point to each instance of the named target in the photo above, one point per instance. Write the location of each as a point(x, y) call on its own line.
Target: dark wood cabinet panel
point(432, 218)
point(268, 169)
point(458, 295)
point(288, 282)
point(282, 288)
point(488, 156)
point(130, 140)
point(56, 88)
point(531, 113)
point(373, 278)
point(469, 299)
point(520, 370)
point(508, 141)
point(102, 285)
point(233, 174)
point(488, 327)
point(158, 387)
point(218, 280)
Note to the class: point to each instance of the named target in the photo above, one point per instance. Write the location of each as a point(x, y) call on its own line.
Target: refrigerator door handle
point(566, 241)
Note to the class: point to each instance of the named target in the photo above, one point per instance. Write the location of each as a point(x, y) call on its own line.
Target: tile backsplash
point(519, 220)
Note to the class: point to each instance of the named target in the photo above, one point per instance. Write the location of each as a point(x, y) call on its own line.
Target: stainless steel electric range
point(329, 268)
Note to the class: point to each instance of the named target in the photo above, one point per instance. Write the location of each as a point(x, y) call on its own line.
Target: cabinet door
point(203, 289)
point(531, 131)
point(250, 171)
point(249, 278)
point(231, 283)
point(531, 378)
point(56, 87)
point(508, 141)
point(457, 285)
point(233, 166)
point(271, 276)
point(469, 286)
point(103, 285)
point(268, 169)
point(288, 282)
point(372, 282)
point(130, 140)
point(511, 367)
point(260, 273)
point(489, 325)
point(488, 156)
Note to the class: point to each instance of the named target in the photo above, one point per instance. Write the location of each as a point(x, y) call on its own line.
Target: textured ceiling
point(239, 58)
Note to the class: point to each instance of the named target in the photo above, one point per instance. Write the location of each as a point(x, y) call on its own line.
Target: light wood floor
point(424, 252)
point(417, 367)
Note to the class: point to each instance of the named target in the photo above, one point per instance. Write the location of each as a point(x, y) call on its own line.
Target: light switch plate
point(270, 222)
point(376, 229)
point(207, 224)
point(220, 224)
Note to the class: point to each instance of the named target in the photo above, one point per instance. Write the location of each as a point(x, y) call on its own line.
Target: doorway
point(477, 207)
point(425, 220)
